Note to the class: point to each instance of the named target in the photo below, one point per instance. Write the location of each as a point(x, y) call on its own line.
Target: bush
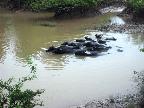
point(12, 95)
point(142, 49)
point(37, 5)
point(136, 4)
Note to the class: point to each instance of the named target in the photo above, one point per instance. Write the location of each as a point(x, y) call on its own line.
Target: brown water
point(68, 80)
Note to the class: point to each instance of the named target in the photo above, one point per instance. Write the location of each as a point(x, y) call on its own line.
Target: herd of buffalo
point(83, 47)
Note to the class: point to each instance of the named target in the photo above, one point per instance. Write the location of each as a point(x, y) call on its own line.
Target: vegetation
point(38, 5)
point(12, 94)
point(60, 7)
point(49, 4)
point(136, 4)
point(136, 7)
point(142, 49)
point(54, 4)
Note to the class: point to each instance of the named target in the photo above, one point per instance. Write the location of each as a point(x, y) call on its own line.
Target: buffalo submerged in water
point(83, 47)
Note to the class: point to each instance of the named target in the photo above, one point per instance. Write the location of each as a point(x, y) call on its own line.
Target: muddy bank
point(118, 102)
point(108, 3)
point(131, 100)
point(130, 24)
point(123, 28)
point(131, 15)
point(76, 12)
point(65, 10)
point(87, 11)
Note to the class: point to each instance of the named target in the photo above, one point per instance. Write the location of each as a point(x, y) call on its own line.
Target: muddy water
point(68, 80)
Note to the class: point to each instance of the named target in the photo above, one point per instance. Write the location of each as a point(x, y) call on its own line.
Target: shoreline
point(70, 11)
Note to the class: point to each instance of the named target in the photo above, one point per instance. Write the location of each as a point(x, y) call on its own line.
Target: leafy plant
point(12, 94)
point(136, 4)
point(142, 50)
point(38, 5)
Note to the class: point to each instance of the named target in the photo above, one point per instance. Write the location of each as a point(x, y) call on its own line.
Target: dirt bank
point(131, 15)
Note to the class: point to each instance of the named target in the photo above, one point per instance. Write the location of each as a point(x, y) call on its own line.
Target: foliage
point(136, 4)
point(13, 96)
point(37, 5)
point(43, 4)
point(142, 50)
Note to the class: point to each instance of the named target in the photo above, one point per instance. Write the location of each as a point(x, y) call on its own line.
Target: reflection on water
point(24, 33)
point(117, 20)
point(56, 62)
point(68, 80)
